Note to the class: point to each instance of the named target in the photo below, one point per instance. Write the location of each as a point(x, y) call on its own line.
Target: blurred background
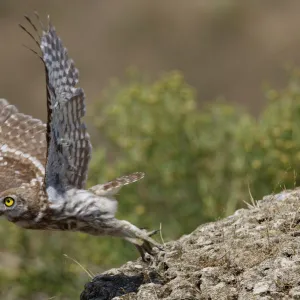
point(203, 96)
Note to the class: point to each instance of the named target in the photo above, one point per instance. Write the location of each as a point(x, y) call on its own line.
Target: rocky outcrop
point(253, 254)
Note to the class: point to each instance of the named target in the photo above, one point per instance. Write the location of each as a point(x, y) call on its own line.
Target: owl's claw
point(143, 251)
point(144, 243)
point(138, 237)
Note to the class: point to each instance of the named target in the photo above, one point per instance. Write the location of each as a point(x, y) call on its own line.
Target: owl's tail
point(112, 187)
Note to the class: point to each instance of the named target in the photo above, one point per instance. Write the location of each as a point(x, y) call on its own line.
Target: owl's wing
point(69, 150)
point(23, 147)
point(69, 147)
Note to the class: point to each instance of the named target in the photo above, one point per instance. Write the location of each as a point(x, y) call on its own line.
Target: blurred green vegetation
point(200, 164)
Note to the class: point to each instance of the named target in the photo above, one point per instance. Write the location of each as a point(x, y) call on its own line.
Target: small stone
point(139, 267)
point(261, 288)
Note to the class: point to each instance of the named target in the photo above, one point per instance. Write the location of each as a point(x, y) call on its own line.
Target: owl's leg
point(139, 237)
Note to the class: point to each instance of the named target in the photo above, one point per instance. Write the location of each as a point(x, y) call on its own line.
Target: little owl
point(43, 167)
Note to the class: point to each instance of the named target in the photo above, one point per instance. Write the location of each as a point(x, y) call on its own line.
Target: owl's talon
point(143, 242)
point(143, 249)
point(143, 252)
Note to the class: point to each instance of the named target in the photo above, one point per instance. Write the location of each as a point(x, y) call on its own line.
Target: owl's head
point(17, 204)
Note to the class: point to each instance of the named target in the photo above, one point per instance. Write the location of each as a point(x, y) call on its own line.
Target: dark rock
point(106, 287)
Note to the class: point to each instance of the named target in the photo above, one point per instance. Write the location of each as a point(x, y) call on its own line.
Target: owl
point(43, 167)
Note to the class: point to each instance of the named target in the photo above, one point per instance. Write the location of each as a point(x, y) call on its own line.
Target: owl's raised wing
point(69, 147)
point(23, 147)
point(69, 143)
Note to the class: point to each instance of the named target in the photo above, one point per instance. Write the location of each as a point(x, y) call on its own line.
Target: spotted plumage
point(43, 167)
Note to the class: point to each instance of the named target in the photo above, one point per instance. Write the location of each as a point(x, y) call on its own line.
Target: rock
point(295, 292)
point(253, 254)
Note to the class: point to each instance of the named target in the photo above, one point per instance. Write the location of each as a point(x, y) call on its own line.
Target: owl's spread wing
point(69, 147)
point(23, 147)
point(69, 144)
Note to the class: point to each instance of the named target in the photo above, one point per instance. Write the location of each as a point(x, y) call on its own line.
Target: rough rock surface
point(253, 254)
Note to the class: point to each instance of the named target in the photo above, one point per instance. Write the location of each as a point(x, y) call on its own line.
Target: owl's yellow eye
point(9, 201)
